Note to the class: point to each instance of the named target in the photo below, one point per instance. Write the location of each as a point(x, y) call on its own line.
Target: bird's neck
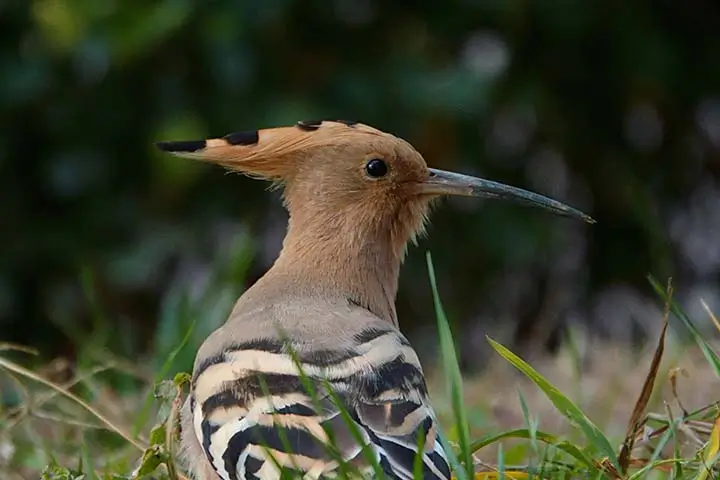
point(331, 258)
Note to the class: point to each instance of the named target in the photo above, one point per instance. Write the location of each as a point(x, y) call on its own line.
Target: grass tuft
point(86, 427)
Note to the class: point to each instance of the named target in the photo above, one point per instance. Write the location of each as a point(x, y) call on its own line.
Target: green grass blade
point(710, 455)
point(644, 471)
point(355, 432)
point(563, 404)
point(500, 462)
point(418, 463)
point(452, 373)
point(711, 356)
point(88, 466)
point(452, 458)
point(540, 436)
point(531, 423)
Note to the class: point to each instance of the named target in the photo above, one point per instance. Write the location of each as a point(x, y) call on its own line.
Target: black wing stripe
point(440, 463)
point(403, 455)
point(297, 409)
point(372, 333)
point(399, 455)
point(326, 357)
point(252, 466)
point(244, 390)
point(276, 438)
point(388, 469)
point(394, 374)
point(223, 399)
point(208, 429)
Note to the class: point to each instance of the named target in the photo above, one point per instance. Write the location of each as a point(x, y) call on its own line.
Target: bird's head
point(349, 177)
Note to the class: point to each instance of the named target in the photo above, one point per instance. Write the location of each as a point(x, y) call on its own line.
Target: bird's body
point(310, 376)
point(366, 361)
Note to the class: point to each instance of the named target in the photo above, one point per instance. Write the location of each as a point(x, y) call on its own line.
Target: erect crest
point(270, 153)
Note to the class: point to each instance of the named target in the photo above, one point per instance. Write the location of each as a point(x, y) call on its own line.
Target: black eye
point(376, 168)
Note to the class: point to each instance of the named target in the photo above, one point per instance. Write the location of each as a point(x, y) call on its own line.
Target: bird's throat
point(332, 261)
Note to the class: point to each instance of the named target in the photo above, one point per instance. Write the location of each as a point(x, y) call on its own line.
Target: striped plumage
point(239, 394)
point(356, 197)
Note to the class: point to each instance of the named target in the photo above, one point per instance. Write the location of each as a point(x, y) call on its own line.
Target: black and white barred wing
point(255, 416)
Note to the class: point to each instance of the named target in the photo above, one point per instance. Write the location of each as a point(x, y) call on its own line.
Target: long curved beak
point(441, 182)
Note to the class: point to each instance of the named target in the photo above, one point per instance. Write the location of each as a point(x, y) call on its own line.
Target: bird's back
point(361, 396)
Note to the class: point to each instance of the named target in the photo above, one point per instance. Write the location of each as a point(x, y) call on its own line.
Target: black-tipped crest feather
point(181, 146)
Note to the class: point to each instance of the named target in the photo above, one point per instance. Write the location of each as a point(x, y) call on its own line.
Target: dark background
point(613, 107)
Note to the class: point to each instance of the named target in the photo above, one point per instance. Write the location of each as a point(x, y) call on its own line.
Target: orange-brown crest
point(333, 172)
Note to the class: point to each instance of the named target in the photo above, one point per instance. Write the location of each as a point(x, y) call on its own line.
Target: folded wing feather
point(256, 416)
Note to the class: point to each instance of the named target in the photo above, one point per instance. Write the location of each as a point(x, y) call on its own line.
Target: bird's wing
point(254, 414)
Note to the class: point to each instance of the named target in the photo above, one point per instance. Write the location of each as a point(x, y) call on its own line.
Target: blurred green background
point(613, 107)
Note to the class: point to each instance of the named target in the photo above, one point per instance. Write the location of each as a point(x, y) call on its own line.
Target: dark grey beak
point(441, 182)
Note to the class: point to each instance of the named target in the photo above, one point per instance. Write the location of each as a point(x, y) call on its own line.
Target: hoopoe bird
point(310, 374)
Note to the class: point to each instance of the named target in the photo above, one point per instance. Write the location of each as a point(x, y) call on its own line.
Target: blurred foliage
point(614, 108)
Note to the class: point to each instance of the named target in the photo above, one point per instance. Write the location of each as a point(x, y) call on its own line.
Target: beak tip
point(582, 216)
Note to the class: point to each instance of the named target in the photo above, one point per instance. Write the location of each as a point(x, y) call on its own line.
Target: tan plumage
point(327, 303)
